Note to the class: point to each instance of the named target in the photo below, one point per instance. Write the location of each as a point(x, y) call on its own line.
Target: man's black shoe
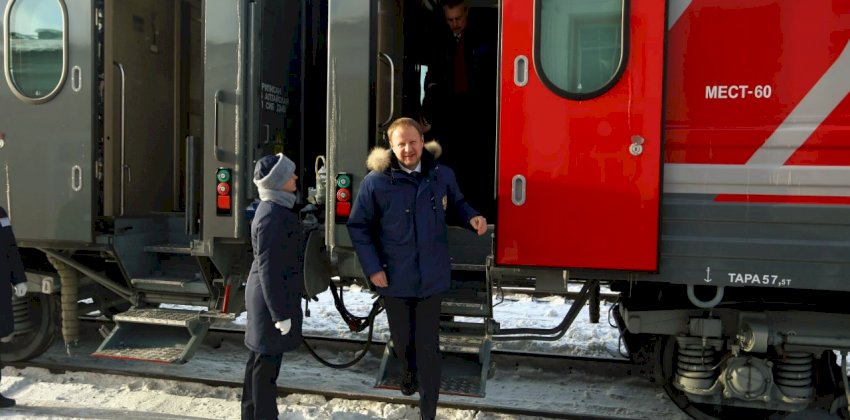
point(408, 383)
point(6, 402)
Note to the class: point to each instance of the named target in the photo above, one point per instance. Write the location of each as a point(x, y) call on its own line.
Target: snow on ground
point(75, 395)
point(43, 395)
point(516, 311)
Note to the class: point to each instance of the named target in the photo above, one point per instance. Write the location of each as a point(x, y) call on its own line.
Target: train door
point(140, 143)
point(274, 100)
point(581, 103)
point(252, 93)
point(225, 33)
point(365, 61)
point(48, 119)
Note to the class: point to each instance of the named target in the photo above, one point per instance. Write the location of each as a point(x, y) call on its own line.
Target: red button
point(223, 202)
point(343, 194)
point(343, 208)
point(223, 188)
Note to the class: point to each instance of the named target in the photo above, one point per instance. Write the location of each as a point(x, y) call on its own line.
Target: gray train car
point(129, 134)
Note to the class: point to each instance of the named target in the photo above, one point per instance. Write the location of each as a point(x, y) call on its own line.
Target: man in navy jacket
point(398, 228)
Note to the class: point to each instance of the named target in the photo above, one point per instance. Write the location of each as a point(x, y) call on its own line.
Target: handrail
point(216, 99)
point(124, 166)
point(392, 88)
point(191, 181)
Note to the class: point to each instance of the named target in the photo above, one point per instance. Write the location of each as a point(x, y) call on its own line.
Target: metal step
point(181, 249)
point(461, 374)
point(468, 295)
point(180, 285)
point(155, 335)
point(462, 337)
point(465, 305)
point(468, 267)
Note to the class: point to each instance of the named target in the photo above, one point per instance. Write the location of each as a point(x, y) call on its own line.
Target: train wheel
point(665, 370)
point(664, 374)
point(36, 313)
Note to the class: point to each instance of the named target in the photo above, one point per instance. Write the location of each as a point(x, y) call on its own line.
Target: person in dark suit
point(459, 108)
point(274, 287)
point(11, 271)
point(398, 229)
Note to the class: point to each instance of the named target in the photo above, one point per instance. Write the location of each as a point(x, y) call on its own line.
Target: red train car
point(695, 155)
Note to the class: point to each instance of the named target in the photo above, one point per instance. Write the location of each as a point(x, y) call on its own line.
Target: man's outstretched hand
point(479, 223)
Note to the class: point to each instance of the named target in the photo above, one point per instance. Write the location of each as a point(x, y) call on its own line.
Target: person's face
point(290, 186)
point(456, 18)
point(407, 146)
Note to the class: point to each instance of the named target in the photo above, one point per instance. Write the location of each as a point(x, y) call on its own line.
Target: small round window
point(35, 50)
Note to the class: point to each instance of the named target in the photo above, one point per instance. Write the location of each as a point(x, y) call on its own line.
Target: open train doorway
point(151, 103)
point(404, 49)
point(453, 92)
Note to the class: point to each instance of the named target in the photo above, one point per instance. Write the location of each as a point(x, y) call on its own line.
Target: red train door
point(580, 133)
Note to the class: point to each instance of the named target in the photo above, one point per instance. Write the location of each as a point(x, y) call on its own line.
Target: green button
point(343, 181)
point(223, 175)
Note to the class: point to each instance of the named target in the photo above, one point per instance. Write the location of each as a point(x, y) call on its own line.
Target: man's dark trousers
point(259, 394)
point(415, 330)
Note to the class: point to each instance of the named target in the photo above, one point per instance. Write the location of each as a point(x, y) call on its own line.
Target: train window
point(36, 45)
point(580, 45)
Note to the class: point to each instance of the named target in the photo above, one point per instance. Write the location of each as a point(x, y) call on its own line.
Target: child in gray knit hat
point(274, 286)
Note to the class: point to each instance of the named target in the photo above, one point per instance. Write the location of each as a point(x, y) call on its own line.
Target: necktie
point(460, 66)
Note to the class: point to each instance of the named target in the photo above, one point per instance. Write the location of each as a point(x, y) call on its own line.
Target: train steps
point(155, 335)
point(157, 256)
point(465, 359)
point(175, 271)
point(465, 328)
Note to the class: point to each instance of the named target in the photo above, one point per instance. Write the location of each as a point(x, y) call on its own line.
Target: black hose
point(377, 307)
point(509, 334)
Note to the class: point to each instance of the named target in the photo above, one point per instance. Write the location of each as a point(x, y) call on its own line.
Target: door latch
point(636, 148)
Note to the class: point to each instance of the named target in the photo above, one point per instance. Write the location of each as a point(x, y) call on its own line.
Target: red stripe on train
point(780, 199)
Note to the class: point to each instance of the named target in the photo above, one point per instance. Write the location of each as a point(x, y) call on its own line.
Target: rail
point(123, 114)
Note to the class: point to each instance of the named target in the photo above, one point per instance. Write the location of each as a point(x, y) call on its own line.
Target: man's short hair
point(402, 122)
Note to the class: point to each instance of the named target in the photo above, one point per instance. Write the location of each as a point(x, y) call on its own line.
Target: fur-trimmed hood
point(380, 158)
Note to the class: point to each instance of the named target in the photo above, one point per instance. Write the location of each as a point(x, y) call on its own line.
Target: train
point(691, 155)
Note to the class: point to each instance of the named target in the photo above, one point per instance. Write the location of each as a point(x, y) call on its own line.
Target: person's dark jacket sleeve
point(273, 266)
point(361, 227)
point(13, 256)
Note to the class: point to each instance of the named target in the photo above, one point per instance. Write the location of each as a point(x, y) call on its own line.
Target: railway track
point(355, 383)
point(287, 390)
